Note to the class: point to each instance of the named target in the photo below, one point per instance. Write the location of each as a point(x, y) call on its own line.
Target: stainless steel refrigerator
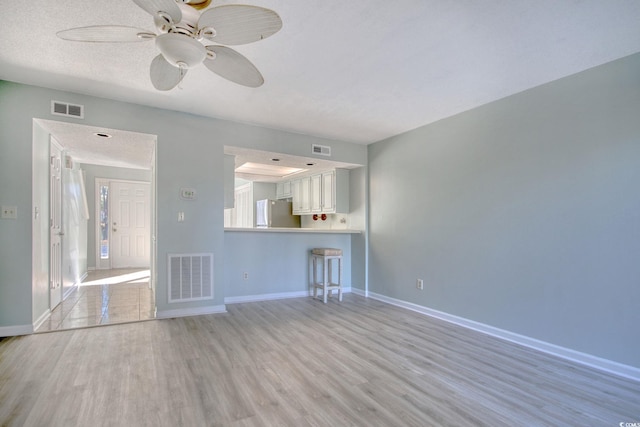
point(275, 213)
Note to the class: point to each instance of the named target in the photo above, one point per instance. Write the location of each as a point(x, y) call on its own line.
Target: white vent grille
point(323, 150)
point(190, 277)
point(65, 109)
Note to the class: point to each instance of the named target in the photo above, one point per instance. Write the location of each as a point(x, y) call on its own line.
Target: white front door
point(55, 224)
point(130, 224)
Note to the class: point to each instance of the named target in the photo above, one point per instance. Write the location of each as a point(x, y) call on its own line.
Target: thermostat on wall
point(188, 193)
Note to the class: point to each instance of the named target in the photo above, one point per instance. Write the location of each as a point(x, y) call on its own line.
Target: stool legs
point(340, 279)
point(327, 274)
point(315, 275)
point(326, 278)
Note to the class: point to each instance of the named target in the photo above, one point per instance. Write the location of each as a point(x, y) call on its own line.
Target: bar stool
point(326, 256)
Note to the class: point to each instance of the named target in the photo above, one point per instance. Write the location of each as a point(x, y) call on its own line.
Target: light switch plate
point(8, 212)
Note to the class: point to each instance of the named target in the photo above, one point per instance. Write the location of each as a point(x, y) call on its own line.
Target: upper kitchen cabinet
point(315, 193)
point(327, 192)
point(284, 190)
point(301, 196)
point(334, 191)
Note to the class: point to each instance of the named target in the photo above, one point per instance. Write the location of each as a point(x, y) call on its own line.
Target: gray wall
point(523, 214)
point(357, 218)
point(97, 171)
point(189, 154)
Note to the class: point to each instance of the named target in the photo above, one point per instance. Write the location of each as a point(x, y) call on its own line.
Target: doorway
point(92, 294)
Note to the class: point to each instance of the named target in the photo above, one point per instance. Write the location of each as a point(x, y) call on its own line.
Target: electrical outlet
point(9, 212)
point(420, 284)
point(245, 276)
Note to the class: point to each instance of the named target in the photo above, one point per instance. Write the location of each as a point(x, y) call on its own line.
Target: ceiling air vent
point(323, 150)
point(65, 109)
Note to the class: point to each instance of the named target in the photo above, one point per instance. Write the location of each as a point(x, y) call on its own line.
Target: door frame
point(40, 271)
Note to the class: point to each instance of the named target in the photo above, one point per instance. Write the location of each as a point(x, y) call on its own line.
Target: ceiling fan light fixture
point(180, 50)
point(197, 4)
point(182, 26)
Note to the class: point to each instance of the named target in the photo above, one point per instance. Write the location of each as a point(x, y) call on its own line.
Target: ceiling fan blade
point(165, 76)
point(233, 66)
point(105, 34)
point(236, 24)
point(169, 7)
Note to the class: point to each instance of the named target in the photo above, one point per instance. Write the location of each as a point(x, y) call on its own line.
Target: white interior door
point(55, 224)
point(130, 224)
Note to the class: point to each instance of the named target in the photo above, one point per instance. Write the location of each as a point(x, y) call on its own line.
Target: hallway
point(105, 297)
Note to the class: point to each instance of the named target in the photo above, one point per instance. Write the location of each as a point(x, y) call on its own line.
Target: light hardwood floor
point(299, 362)
point(105, 297)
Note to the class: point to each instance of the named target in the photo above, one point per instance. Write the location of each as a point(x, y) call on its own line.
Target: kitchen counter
point(295, 230)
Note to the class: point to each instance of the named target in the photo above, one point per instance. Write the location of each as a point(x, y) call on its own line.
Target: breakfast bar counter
point(294, 230)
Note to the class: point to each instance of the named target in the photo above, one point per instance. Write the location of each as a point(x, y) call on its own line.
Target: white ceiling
point(358, 71)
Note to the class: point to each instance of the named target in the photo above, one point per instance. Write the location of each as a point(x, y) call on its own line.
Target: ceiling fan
point(183, 31)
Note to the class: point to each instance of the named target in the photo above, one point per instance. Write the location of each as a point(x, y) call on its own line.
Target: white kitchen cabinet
point(326, 192)
point(301, 196)
point(335, 191)
point(284, 190)
point(315, 193)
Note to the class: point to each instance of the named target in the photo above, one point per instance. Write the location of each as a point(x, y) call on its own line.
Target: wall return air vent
point(190, 277)
point(323, 150)
point(68, 110)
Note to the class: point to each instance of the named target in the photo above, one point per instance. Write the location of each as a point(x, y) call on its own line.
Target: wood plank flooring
point(299, 362)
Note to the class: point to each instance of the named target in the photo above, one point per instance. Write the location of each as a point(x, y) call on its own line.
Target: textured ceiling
point(358, 71)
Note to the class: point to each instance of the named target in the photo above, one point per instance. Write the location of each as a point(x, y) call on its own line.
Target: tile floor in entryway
point(105, 297)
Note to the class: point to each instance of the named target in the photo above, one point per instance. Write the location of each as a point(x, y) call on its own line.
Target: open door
point(55, 224)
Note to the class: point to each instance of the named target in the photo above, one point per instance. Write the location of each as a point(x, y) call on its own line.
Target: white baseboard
point(194, 311)
point(360, 292)
point(41, 319)
point(274, 296)
point(12, 331)
point(606, 365)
